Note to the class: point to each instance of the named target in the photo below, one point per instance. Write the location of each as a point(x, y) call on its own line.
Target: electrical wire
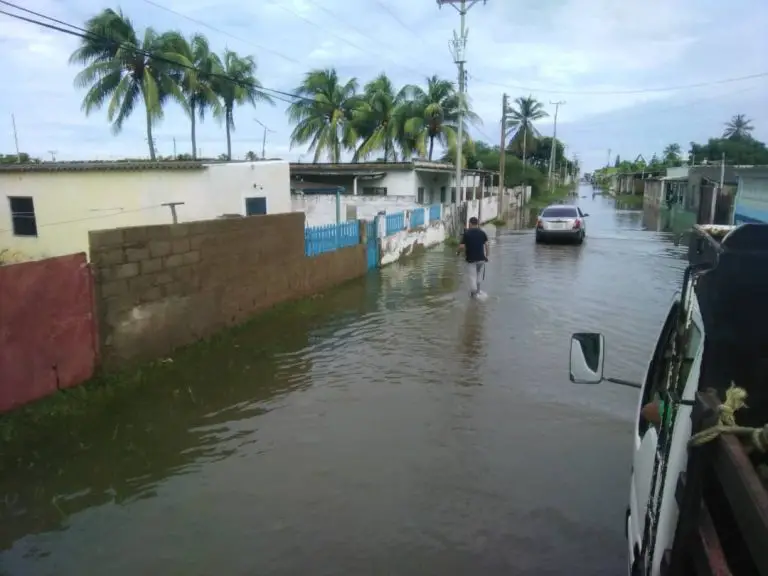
point(624, 92)
point(220, 31)
point(32, 215)
point(82, 33)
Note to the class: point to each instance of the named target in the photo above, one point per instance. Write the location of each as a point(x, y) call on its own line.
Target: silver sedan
point(561, 222)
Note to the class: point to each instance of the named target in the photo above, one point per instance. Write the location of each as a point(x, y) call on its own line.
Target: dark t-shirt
point(474, 240)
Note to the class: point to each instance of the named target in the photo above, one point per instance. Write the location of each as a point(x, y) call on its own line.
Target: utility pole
point(608, 163)
point(458, 46)
point(263, 140)
point(53, 155)
point(502, 151)
point(716, 190)
point(553, 155)
point(174, 147)
point(172, 206)
point(16, 138)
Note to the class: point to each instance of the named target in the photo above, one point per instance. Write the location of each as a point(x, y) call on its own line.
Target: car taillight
point(540, 223)
point(576, 224)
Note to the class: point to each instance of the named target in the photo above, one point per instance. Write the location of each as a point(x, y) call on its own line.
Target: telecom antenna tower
point(458, 49)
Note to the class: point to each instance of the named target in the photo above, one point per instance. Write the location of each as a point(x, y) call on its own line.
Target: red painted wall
point(47, 328)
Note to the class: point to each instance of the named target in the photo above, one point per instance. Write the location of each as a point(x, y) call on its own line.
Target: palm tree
point(197, 81)
point(438, 108)
point(125, 70)
point(411, 128)
point(377, 119)
point(324, 114)
point(521, 121)
point(672, 154)
point(235, 82)
point(738, 128)
point(439, 111)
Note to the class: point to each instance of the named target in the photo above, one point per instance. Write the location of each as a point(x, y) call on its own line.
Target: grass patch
point(498, 222)
point(631, 201)
point(452, 241)
point(546, 198)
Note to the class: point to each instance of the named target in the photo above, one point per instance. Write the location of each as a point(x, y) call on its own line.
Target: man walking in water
point(474, 244)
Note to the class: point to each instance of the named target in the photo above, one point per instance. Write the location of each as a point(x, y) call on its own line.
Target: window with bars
point(23, 218)
point(420, 195)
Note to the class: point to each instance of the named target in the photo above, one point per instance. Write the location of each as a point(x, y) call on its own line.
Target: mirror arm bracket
point(624, 382)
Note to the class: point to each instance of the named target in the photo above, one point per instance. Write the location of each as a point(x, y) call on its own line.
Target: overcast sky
point(581, 51)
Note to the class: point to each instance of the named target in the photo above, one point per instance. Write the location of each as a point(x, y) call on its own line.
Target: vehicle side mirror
point(585, 214)
point(587, 358)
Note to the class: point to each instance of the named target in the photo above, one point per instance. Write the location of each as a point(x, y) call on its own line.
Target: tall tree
point(198, 80)
point(125, 70)
point(324, 113)
point(738, 128)
point(672, 155)
point(521, 118)
point(438, 112)
point(376, 121)
point(236, 84)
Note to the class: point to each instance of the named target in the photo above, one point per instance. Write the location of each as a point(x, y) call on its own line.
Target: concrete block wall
point(161, 287)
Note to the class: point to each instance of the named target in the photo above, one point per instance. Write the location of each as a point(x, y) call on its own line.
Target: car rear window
point(560, 213)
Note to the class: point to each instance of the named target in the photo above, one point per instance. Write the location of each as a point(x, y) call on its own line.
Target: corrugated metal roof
point(118, 166)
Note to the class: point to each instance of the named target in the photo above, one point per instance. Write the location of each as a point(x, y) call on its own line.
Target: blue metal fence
point(417, 217)
point(319, 239)
point(395, 222)
point(434, 212)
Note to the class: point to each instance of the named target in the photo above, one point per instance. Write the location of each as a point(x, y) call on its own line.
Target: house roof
point(117, 166)
point(310, 187)
point(371, 168)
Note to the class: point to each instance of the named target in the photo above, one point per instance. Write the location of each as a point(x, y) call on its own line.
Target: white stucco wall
point(69, 204)
point(404, 243)
point(320, 209)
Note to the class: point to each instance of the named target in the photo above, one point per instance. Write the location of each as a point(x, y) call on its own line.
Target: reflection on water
point(389, 426)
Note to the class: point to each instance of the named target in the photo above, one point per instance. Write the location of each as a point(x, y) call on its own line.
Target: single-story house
point(425, 182)
point(751, 203)
point(50, 207)
point(634, 182)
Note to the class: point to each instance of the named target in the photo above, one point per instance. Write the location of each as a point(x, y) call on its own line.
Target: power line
point(341, 37)
point(396, 18)
point(220, 31)
point(79, 32)
point(31, 215)
point(618, 92)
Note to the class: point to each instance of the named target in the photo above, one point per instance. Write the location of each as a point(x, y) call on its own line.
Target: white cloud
point(553, 49)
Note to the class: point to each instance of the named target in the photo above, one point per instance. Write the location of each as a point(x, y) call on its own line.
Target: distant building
point(751, 203)
point(368, 188)
point(50, 207)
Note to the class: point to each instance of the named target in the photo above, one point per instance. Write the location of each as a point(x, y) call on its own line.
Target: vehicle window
point(659, 365)
point(691, 348)
point(559, 213)
point(661, 373)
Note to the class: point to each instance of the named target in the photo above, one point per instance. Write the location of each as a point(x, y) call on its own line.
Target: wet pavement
point(391, 426)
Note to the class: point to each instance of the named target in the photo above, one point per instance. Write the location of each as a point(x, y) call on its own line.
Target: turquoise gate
point(372, 244)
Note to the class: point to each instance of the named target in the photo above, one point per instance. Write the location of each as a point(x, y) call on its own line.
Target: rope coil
point(735, 399)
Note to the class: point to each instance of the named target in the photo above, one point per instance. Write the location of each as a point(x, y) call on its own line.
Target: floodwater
point(391, 426)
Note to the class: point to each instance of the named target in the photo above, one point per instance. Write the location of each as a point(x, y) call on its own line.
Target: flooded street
point(391, 426)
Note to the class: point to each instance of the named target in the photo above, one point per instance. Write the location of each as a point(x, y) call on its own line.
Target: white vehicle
point(561, 222)
point(698, 503)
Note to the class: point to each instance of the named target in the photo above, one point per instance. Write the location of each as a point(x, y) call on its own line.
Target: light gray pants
point(475, 273)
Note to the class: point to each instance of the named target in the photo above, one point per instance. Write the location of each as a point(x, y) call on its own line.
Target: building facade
point(367, 188)
point(751, 203)
point(49, 208)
